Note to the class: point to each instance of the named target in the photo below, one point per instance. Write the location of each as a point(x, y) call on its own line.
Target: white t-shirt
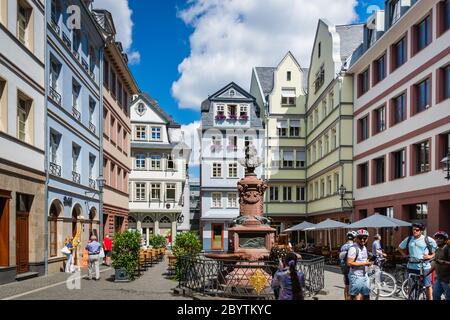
point(362, 257)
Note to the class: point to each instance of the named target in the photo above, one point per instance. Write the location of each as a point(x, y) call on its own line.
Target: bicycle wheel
point(405, 288)
point(387, 284)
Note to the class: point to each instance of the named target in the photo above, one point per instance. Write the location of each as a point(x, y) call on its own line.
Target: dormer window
point(395, 11)
point(140, 108)
point(243, 114)
point(220, 113)
point(232, 112)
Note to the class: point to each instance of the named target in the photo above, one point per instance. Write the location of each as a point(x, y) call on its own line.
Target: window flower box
point(232, 117)
point(244, 117)
point(220, 117)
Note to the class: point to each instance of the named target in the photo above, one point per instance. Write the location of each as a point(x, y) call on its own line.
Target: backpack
point(427, 242)
point(345, 268)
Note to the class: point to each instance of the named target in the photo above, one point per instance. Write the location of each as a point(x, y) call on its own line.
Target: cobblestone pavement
point(152, 285)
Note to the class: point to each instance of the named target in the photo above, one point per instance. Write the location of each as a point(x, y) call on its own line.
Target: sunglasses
point(363, 238)
point(416, 229)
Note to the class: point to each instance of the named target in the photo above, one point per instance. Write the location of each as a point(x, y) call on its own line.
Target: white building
point(158, 188)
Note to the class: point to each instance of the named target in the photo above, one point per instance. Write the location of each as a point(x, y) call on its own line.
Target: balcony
point(76, 177)
point(55, 95)
point(67, 41)
point(76, 113)
point(55, 169)
point(85, 64)
point(54, 26)
point(91, 183)
point(92, 127)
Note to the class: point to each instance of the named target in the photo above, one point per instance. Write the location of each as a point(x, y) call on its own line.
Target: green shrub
point(186, 244)
point(125, 252)
point(157, 241)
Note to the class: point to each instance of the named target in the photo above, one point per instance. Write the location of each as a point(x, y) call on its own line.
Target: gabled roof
point(158, 109)
point(351, 37)
point(216, 96)
point(266, 78)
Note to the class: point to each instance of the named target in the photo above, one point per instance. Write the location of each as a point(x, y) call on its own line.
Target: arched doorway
point(92, 215)
point(147, 228)
point(165, 228)
point(132, 224)
point(56, 208)
point(76, 231)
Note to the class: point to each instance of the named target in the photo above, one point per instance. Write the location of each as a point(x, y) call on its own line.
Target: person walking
point(377, 251)
point(441, 265)
point(357, 260)
point(288, 281)
point(68, 243)
point(343, 260)
point(93, 248)
point(107, 247)
point(418, 247)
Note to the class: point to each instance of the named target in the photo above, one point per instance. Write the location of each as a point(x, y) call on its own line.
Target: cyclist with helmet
point(357, 260)
point(343, 259)
point(441, 265)
point(418, 247)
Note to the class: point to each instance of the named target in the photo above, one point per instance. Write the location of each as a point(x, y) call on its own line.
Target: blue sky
point(162, 39)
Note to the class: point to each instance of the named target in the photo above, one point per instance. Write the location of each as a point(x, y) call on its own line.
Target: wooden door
point(4, 232)
point(22, 261)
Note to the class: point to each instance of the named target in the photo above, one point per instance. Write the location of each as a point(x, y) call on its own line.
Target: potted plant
point(186, 245)
point(125, 255)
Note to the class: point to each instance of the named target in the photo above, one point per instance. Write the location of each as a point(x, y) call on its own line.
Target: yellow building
point(281, 93)
point(329, 114)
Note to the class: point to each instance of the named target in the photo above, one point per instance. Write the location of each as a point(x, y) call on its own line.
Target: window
point(311, 192)
point(140, 161)
point(217, 170)
point(24, 119)
point(24, 12)
point(333, 139)
point(314, 153)
point(112, 129)
point(316, 117)
point(170, 192)
point(53, 222)
point(289, 76)
point(319, 148)
point(92, 106)
point(324, 109)
point(300, 194)
point(395, 11)
point(447, 78)
point(216, 144)
point(232, 112)
point(322, 188)
point(232, 143)
point(155, 162)
point(299, 159)
point(217, 237)
point(288, 159)
point(232, 200)
point(316, 190)
point(399, 164)
point(399, 109)
point(216, 200)
point(243, 112)
point(273, 191)
point(113, 85)
point(363, 171)
point(399, 53)
point(75, 155)
point(319, 50)
point(422, 96)
point(140, 192)
point(287, 193)
point(220, 115)
point(76, 88)
point(380, 119)
point(363, 82)
point(443, 14)
point(92, 160)
point(288, 97)
point(319, 79)
point(156, 191)
point(76, 41)
point(170, 162)
point(275, 159)
point(106, 73)
point(336, 182)
point(141, 133)
point(329, 185)
point(232, 170)
point(55, 68)
point(363, 128)
point(55, 139)
point(140, 108)
point(422, 34)
point(422, 155)
point(326, 140)
point(442, 148)
point(443, 84)
point(282, 126)
point(331, 101)
point(379, 167)
point(294, 130)
point(380, 69)
point(156, 133)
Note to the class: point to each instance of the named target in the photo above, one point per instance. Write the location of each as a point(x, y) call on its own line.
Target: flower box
point(244, 117)
point(232, 117)
point(220, 117)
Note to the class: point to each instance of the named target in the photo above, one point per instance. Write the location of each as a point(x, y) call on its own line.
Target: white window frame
point(155, 187)
point(157, 132)
point(216, 171)
point(139, 160)
point(141, 134)
point(233, 170)
point(155, 162)
point(232, 200)
point(138, 191)
point(216, 200)
point(171, 186)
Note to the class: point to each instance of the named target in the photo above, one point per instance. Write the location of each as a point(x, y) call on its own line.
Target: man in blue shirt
point(93, 248)
point(418, 247)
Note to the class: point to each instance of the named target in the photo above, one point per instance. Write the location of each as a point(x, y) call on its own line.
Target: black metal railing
point(85, 64)
point(55, 95)
point(240, 279)
point(55, 169)
point(54, 26)
point(67, 41)
point(76, 113)
point(76, 177)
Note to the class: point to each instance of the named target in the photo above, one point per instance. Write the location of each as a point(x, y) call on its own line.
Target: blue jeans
point(441, 288)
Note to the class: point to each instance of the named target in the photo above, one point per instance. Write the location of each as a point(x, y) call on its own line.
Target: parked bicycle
point(381, 282)
point(413, 287)
point(401, 275)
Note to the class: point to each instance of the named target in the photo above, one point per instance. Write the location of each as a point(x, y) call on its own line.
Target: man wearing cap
point(93, 248)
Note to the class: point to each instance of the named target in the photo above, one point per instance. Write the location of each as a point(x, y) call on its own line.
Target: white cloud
point(121, 13)
point(232, 36)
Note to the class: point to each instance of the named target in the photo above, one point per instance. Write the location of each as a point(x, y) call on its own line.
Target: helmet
point(351, 235)
point(418, 225)
point(441, 234)
point(362, 233)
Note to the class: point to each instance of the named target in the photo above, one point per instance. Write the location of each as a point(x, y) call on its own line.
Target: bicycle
point(413, 287)
point(401, 275)
point(381, 282)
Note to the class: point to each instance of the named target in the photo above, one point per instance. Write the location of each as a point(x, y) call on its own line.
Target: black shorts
point(108, 253)
point(345, 271)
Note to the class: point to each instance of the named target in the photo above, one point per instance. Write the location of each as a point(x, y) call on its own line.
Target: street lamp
point(180, 219)
point(446, 165)
point(342, 191)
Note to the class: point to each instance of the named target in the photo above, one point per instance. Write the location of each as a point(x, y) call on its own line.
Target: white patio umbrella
point(328, 224)
point(379, 221)
point(301, 227)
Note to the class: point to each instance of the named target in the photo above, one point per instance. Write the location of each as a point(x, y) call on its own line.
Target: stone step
point(27, 275)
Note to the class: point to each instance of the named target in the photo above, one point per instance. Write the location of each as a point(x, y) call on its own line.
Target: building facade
point(22, 139)
point(194, 204)
point(230, 121)
point(329, 114)
point(118, 88)
point(74, 111)
point(159, 171)
point(282, 92)
point(402, 115)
